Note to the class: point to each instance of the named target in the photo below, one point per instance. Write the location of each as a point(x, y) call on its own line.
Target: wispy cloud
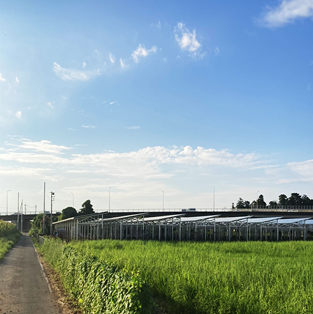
point(111, 58)
point(288, 11)
point(44, 146)
point(50, 105)
point(134, 127)
point(186, 39)
point(18, 114)
point(142, 52)
point(88, 126)
point(68, 74)
point(2, 79)
point(122, 63)
point(17, 80)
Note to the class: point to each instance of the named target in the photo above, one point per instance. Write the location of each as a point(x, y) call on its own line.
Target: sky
point(133, 100)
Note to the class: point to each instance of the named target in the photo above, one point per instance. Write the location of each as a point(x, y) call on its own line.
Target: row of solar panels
point(180, 218)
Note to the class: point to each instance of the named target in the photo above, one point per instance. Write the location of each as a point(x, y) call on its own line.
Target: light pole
point(51, 200)
point(163, 200)
point(8, 201)
point(44, 208)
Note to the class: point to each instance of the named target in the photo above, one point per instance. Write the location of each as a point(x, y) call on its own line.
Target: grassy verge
point(251, 277)
point(8, 237)
point(97, 286)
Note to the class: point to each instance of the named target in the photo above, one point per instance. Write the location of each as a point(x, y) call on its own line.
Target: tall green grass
point(251, 277)
point(97, 286)
point(8, 237)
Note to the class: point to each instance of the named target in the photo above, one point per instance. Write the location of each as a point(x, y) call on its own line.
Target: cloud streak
point(288, 11)
point(142, 52)
point(68, 74)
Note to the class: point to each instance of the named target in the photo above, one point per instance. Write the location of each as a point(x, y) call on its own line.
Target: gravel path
point(23, 287)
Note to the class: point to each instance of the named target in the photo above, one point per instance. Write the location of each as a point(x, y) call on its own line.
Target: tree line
point(294, 200)
point(68, 212)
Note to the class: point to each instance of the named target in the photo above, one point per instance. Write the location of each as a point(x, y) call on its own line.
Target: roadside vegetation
point(250, 277)
point(8, 237)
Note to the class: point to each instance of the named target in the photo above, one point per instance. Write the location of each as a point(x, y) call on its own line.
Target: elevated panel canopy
point(230, 219)
point(197, 218)
point(162, 218)
point(262, 220)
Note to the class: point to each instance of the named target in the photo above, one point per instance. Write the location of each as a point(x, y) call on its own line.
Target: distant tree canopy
point(68, 212)
point(295, 200)
point(86, 208)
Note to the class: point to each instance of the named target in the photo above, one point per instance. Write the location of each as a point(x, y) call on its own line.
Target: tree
point(36, 227)
point(68, 212)
point(272, 204)
point(240, 203)
point(260, 202)
point(86, 208)
point(294, 200)
point(247, 204)
point(282, 200)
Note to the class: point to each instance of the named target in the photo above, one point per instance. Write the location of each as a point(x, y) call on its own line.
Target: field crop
point(8, 236)
point(250, 277)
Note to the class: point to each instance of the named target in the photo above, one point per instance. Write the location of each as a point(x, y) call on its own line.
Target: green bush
point(98, 287)
point(9, 235)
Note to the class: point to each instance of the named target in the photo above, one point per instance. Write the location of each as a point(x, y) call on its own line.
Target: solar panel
point(291, 220)
point(262, 220)
point(197, 218)
point(230, 219)
point(160, 218)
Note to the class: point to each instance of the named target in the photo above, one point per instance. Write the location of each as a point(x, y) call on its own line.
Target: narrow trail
point(23, 287)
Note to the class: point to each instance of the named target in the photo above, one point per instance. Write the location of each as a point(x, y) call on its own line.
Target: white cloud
point(186, 39)
point(287, 12)
point(41, 146)
point(133, 127)
point(303, 168)
point(142, 52)
point(111, 58)
point(18, 114)
point(2, 79)
point(122, 63)
point(50, 105)
point(185, 173)
point(88, 126)
point(17, 80)
point(68, 74)
point(84, 64)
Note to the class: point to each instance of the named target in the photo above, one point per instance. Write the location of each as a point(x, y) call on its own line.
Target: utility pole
point(35, 209)
point(18, 211)
point(21, 211)
point(25, 209)
point(44, 208)
point(51, 200)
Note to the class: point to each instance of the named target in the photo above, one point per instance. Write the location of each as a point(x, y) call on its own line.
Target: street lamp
point(8, 201)
point(51, 199)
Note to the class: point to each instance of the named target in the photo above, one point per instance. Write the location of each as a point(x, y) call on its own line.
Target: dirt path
point(23, 287)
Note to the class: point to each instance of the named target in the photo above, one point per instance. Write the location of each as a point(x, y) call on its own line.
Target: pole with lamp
point(52, 195)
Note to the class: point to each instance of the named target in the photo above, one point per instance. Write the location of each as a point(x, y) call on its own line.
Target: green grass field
point(238, 277)
point(8, 237)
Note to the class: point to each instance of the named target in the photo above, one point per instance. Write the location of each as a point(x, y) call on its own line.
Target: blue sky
point(171, 96)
